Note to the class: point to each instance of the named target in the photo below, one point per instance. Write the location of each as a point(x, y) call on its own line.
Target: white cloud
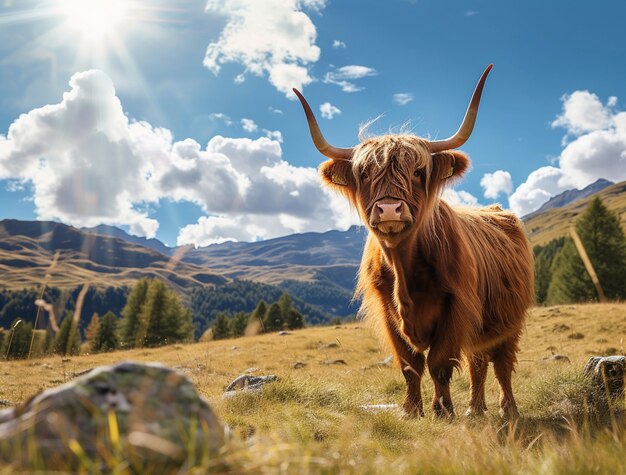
point(249, 125)
point(496, 183)
point(268, 37)
point(583, 112)
point(402, 98)
point(539, 187)
point(471, 13)
point(597, 150)
point(459, 198)
point(344, 75)
point(337, 44)
point(81, 156)
point(329, 111)
point(274, 110)
point(274, 135)
point(220, 116)
point(88, 164)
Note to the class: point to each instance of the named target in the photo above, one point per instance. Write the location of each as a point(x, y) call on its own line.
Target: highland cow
point(450, 280)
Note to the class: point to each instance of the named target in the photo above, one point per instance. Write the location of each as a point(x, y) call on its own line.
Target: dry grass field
point(311, 419)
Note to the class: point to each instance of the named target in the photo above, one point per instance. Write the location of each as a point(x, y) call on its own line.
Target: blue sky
point(174, 118)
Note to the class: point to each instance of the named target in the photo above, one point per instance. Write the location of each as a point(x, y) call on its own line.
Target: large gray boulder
point(144, 415)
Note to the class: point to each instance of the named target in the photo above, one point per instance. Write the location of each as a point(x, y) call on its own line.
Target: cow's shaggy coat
point(437, 281)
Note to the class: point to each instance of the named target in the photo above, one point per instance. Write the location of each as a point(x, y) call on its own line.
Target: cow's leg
point(442, 360)
point(413, 369)
point(478, 373)
point(412, 364)
point(504, 358)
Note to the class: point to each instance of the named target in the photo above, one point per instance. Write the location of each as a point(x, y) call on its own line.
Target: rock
point(326, 346)
point(386, 362)
point(606, 379)
point(252, 370)
point(576, 336)
point(329, 362)
point(247, 382)
point(284, 333)
point(298, 365)
point(557, 358)
point(146, 411)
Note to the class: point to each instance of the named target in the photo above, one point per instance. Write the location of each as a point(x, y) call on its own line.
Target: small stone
point(375, 408)
point(284, 333)
point(326, 346)
point(557, 358)
point(251, 370)
point(246, 382)
point(298, 365)
point(576, 336)
point(337, 362)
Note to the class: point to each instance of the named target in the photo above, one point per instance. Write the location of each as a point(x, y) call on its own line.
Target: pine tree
point(273, 320)
point(92, 329)
point(67, 340)
point(238, 324)
point(169, 321)
point(259, 312)
point(153, 316)
point(294, 320)
point(130, 314)
point(286, 305)
point(17, 339)
point(601, 234)
point(106, 338)
point(544, 259)
point(605, 244)
point(221, 327)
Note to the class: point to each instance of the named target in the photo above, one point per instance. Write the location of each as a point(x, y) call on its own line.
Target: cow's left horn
point(467, 126)
point(318, 139)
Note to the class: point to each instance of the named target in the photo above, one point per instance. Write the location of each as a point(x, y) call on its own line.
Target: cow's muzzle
point(390, 216)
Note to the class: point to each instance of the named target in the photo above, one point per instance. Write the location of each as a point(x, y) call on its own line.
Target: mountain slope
point(301, 257)
point(544, 227)
point(28, 250)
point(112, 231)
point(569, 196)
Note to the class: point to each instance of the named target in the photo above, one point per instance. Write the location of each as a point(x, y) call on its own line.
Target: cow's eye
point(417, 173)
point(364, 175)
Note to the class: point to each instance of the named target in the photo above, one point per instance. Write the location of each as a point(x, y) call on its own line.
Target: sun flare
point(94, 19)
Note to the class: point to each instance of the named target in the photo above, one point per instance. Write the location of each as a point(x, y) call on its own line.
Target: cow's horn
point(318, 139)
point(467, 126)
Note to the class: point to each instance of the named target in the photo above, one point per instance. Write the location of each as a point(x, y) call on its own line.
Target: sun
point(94, 19)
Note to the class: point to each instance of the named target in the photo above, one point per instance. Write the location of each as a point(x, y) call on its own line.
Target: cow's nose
point(390, 211)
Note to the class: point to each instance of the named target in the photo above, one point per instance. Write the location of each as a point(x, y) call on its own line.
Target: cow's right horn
point(464, 132)
point(318, 139)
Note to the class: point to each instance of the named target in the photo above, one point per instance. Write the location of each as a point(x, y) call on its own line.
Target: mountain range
point(317, 268)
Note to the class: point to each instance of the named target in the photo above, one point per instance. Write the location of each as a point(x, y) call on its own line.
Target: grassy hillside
point(556, 222)
point(310, 421)
point(32, 252)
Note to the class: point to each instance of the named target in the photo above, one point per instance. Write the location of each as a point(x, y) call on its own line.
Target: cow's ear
point(337, 174)
point(448, 165)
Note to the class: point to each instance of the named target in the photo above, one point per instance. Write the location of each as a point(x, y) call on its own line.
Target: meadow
point(312, 419)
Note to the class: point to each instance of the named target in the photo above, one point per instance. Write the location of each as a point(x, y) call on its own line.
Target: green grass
point(311, 421)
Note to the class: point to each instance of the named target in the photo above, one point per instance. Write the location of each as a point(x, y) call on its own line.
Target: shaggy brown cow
point(450, 280)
